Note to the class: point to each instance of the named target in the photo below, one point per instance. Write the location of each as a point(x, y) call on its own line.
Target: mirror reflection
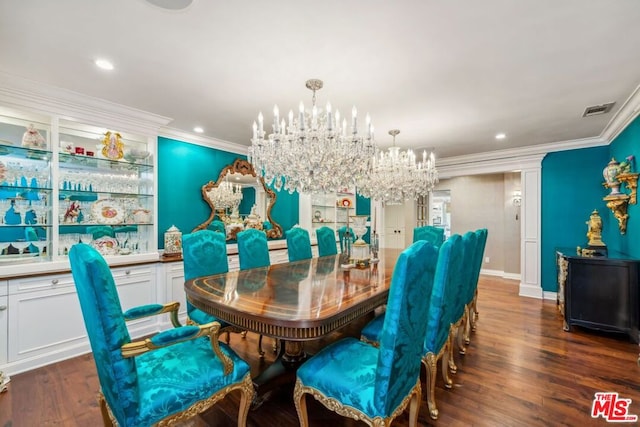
point(239, 200)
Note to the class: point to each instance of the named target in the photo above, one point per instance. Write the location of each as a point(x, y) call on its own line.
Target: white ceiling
point(448, 74)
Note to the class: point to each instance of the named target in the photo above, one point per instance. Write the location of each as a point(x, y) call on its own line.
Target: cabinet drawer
point(279, 256)
point(28, 284)
point(132, 273)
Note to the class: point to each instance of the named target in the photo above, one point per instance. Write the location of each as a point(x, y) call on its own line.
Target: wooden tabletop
point(297, 301)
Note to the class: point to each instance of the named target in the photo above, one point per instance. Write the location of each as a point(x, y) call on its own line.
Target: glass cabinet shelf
point(104, 165)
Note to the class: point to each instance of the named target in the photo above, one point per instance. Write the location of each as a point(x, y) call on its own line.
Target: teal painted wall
point(625, 144)
point(363, 207)
point(571, 190)
point(183, 169)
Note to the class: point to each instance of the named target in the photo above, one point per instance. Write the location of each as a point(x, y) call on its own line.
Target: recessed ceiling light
point(171, 4)
point(104, 64)
point(198, 129)
point(501, 136)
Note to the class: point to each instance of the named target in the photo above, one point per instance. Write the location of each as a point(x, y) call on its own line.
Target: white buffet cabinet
point(41, 321)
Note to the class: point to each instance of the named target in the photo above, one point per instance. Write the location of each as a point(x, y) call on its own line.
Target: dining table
point(294, 302)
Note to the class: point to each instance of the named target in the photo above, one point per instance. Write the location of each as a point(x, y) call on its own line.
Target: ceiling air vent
point(594, 110)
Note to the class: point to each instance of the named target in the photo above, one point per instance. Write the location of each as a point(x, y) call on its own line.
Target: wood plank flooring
point(521, 369)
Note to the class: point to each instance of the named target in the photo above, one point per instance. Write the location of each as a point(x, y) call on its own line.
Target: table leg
point(282, 372)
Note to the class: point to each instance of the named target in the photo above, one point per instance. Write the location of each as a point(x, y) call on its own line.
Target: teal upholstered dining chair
point(217, 225)
point(458, 322)
point(253, 249)
point(431, 234)
point(166, 378)
point(326, 238)
point(374, 384)
point(253, 252)
point(204, 253)
point(472, 298)
point(298, 244)
point(436, 340)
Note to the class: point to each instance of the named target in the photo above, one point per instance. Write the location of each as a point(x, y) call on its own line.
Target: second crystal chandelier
point(397, 176)
point(314, 151)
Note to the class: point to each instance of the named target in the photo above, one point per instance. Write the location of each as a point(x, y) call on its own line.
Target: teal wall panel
point(286, 211)
point(363, 207)
point(625, 144)
point(571, 190)
point(183, 168)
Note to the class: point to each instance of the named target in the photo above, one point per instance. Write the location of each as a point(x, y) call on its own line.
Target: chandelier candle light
point(396, 176)
point(225, 195)
point(313, 152)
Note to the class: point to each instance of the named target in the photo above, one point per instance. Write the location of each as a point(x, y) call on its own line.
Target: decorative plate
point(106, 245)
point(344, 202)
point(107, 211)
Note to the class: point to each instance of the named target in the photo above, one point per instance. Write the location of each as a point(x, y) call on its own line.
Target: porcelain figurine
point(32, 138)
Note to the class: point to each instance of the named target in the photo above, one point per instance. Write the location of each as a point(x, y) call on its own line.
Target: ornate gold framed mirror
point(241, 173)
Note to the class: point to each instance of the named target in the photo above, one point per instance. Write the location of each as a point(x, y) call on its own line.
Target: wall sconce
point(619, 176)
point(517, 198)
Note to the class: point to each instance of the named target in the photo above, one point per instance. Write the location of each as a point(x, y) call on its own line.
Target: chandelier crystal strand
point(225, 195)
point(397, 176)
point(312, 152)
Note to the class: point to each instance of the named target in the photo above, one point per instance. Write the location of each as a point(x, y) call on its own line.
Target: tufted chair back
point(204, 252)
point(405, 325)
point(253, 249)
point(431, 234)
point(106, 328)
point(326, 241)
point(298, 244)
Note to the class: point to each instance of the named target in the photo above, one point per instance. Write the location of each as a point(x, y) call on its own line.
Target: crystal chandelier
point(315, 152)
point(225, 195)
point(397, 176)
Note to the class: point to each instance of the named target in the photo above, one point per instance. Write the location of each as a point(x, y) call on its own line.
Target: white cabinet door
point(394, 227)
point(45, 322)
point(4, 314)
point(174, 281)
point(44, 319)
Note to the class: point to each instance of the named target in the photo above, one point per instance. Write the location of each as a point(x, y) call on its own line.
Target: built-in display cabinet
point(64, 181)
point(332, 209)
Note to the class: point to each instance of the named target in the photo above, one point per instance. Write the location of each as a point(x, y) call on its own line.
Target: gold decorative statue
point(594, 229)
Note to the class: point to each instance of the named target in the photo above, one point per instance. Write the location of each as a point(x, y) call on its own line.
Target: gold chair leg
point(448, 356)
point(248, 392)
point(462, 348)
point(300, 401)
point(106, 416)
point(228, 340)
point(448, 383)
point(430, 363)
point(260, 350)
point(474, 318)
point(414, 408)
point(275, 346)
point(467, 323)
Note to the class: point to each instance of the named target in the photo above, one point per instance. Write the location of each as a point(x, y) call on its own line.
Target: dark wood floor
point(522, 369)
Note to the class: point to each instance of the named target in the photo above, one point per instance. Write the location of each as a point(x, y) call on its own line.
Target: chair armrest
point(154, 309)
point(178, 335)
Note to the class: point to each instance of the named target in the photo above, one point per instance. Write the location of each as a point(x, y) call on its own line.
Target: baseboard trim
point(549, 295)
point(500, 273)
point(530, 291)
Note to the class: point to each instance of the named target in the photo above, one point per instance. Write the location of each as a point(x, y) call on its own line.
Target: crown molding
point(202, 140)
point(493, 160)
point(18, 92)
point(623, 117)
